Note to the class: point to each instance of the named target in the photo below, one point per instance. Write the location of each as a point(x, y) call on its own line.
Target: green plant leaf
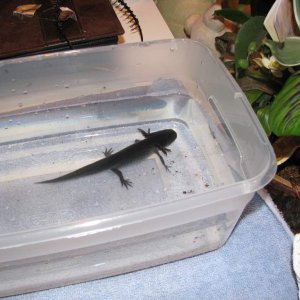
point(253, 95)
point(285, 110)
point(247, 83)
point(263, 115)
point(274, 84)
point(296, 8)
point(287, 53)
point(262, 101)
point(233, 15)
point(251, 31)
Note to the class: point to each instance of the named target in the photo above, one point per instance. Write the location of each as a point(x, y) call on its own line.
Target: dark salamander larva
point(141, 149)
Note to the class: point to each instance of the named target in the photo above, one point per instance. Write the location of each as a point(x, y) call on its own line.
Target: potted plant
point(267, 68)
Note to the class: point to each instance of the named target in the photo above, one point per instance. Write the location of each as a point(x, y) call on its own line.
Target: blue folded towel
point(255, 263)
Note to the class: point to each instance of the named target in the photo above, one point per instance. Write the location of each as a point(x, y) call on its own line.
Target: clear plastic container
point(59, 112)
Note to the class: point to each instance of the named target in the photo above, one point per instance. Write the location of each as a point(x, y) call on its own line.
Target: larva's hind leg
point(124, 182)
